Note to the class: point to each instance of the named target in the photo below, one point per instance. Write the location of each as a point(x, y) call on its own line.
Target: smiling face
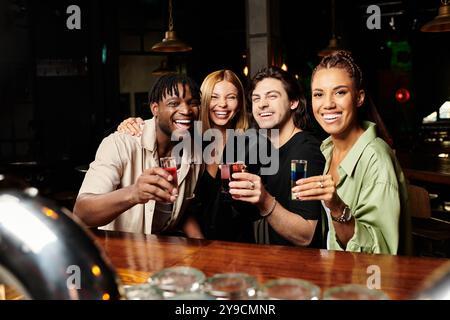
point(271, 106)
point(224, 104)
point(335, 101)
point(176, 113)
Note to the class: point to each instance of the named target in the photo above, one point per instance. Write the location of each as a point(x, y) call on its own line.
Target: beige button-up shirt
point(120, 160)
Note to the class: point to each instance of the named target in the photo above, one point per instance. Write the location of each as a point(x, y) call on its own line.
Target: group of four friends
point(355, 186)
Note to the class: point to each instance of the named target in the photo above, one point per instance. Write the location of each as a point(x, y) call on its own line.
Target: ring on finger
point(252, 185)
point(321, 184)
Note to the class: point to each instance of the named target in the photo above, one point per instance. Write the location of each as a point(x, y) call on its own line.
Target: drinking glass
point(298, 171)
point(237, 167)
point(143, 291)
point(354, 292)
point(289, 289)
point(225, 177)
point(192, 296)
point(176, 280)
point(231, 286)
point(226, 172)
point(170, 165)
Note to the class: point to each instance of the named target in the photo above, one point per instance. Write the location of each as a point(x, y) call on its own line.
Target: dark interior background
point(62, 91)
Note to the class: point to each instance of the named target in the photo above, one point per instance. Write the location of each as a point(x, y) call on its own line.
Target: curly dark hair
point(168, 85)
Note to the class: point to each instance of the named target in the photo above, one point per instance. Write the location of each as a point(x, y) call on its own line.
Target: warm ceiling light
point(170, 43)
point(284, 67)
point(246, 71)
point(441, 23)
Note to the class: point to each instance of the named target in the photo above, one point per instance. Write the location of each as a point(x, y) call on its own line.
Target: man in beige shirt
point(125, 189)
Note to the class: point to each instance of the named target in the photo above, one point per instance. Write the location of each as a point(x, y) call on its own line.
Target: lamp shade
point(171, 44)
point(441, 23)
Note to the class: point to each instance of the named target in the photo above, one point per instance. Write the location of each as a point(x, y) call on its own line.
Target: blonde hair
point(240, 120)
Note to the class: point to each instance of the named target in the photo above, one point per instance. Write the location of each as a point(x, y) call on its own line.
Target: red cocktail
point(169, 164)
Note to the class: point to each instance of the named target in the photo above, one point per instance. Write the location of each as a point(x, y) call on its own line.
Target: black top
point(302, 146)
point(220, 217)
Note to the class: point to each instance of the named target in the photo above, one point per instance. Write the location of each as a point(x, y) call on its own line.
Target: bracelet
point(268, 213)
point(345, 217)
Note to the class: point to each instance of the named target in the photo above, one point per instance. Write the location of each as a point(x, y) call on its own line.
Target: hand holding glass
point(226, 172)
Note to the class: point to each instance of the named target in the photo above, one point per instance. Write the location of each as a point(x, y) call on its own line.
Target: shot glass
point(354, 292)
point(225, 177)
point(169, 164)
point(237, 167)
point(289, 289)
point(176, 280)
point(298, 171)
point(231, 286)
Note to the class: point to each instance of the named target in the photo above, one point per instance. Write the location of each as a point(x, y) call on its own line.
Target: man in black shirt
point(278, 103)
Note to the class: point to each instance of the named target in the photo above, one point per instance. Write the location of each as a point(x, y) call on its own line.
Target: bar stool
point(431, 236)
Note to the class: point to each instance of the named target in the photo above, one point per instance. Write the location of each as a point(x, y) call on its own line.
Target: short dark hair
point(168, 85)
point(293, 89)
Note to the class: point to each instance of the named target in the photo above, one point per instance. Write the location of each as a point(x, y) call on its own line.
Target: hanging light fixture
point(441, 23)
point(333, 44)
point(170, 43)
point(163, 69)
point(245, 71)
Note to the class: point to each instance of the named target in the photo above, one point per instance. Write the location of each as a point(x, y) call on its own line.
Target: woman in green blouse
point(363, 188)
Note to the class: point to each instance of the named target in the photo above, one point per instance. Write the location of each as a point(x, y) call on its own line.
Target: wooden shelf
point(427, 176)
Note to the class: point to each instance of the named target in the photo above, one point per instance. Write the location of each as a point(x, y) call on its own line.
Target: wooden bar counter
point(136, 257)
